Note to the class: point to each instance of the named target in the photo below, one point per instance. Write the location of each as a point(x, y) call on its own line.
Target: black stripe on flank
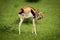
point(33, 13)
point(21, 11)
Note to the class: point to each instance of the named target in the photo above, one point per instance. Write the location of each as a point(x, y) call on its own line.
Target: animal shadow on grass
point(26, 21)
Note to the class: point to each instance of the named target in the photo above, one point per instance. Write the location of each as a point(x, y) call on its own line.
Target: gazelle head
point(40, 15)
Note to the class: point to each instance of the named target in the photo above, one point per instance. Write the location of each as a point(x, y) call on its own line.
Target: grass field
point(47, 29)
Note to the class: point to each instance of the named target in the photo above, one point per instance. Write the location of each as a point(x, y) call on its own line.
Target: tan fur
point(26, 12)
point(27, 9)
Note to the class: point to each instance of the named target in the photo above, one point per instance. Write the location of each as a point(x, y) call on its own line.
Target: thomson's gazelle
point(29, 12)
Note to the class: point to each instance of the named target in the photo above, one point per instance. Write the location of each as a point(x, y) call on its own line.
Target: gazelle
point(29, 12)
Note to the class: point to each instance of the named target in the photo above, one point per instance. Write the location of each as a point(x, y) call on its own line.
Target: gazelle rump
point(29, 12)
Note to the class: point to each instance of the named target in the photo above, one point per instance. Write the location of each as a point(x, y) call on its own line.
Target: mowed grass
point(47, 29)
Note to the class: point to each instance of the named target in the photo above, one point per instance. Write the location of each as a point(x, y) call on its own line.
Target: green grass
point(47, 29)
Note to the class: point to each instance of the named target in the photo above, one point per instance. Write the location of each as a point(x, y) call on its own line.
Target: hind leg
point(34, 27)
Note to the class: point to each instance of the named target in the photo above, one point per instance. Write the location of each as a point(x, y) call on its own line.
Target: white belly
point(27, 15)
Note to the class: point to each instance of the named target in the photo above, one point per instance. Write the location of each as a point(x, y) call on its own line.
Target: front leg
point(34, 27)
point(20, 23)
